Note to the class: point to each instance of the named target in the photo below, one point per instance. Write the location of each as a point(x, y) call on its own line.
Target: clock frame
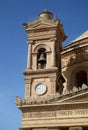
point(40, 89)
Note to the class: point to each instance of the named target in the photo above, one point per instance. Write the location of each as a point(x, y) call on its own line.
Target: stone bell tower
point(43, 77)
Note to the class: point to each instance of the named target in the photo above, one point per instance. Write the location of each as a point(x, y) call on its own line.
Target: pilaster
point(29, 60)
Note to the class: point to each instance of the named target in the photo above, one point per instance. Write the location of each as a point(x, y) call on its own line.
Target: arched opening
point(41, 58)
point(80, 78)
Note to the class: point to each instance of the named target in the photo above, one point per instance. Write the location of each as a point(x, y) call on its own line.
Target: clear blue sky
point(13, 47)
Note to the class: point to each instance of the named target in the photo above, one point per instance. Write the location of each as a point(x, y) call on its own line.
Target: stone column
point(53, 53)
point(29, 64)
point(34, 60)
point(48, 62)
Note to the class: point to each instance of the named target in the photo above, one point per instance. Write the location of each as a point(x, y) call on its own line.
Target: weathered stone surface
point(62, 106)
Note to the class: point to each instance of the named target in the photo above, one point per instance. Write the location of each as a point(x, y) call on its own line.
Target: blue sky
point(13, 47)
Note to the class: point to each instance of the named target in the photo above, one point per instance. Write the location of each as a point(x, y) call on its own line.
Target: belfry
point(47, 103)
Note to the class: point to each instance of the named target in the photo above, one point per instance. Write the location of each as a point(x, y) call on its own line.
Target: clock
point(40, 89)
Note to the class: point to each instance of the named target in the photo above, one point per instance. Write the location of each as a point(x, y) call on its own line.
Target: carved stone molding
point(23, 105)
point(41, 71)
point(78, 59)
point(75, 128)
point(38, 114)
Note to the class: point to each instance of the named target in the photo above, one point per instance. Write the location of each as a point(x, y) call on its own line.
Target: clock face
point(40, 89)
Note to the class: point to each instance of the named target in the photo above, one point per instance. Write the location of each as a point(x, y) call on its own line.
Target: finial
point(46, 15)
point(45, 10)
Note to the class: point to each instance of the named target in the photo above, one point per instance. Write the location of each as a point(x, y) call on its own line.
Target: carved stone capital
point(27, 81)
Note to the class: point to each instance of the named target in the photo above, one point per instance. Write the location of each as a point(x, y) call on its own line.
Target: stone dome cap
point(46, 15)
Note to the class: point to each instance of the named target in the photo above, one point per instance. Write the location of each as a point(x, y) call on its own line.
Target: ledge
point(57, 99)
point(37, 71)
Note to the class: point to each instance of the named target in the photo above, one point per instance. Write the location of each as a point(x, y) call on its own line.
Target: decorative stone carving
point(57, 95)
point(66, 92)
point(18, 101)
point(74, 57)
point(75, 89)
point(51, 98)
point(75, 128)
point(38, 114)
point(84, 86)
point(80, 89)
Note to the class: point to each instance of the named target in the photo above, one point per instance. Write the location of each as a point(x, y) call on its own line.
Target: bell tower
point(45, 37)
point(43, 77)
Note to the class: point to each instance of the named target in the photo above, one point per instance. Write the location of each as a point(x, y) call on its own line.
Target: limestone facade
point(75, 63)
point(56, 78)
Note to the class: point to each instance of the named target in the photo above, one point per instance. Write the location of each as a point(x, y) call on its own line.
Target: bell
point(42, 58)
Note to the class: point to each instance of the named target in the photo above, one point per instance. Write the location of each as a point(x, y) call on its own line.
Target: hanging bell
point(42, 58)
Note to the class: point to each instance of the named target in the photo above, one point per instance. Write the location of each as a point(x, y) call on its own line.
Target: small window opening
point(41, 59)
point(81, 78)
